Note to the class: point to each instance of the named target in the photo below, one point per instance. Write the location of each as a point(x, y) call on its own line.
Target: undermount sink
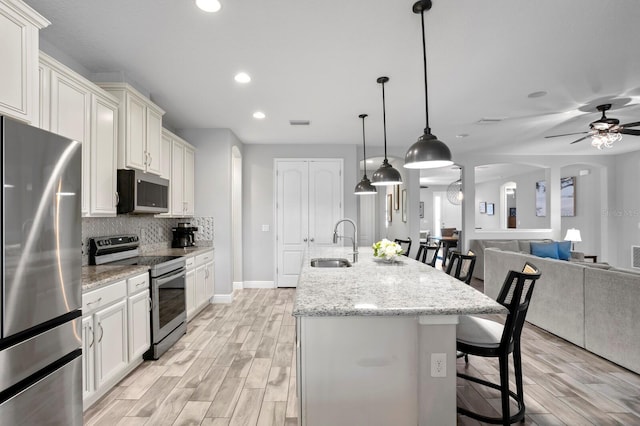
point(330, 263)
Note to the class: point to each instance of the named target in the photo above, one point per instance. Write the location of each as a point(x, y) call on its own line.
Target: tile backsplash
point(155, 233)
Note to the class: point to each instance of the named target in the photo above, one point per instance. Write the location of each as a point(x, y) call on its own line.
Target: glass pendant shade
point(386, 174)
point(427, 153)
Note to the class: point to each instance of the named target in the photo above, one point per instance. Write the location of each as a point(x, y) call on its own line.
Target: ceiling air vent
point(635, 257)
point(299, 122)
point(492, 120)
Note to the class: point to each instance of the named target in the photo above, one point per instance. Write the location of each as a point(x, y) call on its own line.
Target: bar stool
point(461, 265)
point(405, 244)
point(428, 253)
point(483, 337)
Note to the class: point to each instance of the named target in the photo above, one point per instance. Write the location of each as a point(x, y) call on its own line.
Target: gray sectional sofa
point(591, 305)
point(478, 246)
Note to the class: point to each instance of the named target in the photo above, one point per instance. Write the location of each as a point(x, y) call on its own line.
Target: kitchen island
point(376, 341)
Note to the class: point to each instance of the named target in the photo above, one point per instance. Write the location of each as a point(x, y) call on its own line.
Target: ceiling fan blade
point(578, 140)
point(566, 134)
point(637, 123)
point(633, 132)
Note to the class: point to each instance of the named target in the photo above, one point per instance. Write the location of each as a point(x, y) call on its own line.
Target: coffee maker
point(183, 235)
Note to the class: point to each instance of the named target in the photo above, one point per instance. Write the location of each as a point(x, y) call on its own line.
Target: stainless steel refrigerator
point(40, 328)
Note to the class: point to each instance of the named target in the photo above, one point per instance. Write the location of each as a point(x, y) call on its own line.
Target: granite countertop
point(374, 288)
point(94, 277)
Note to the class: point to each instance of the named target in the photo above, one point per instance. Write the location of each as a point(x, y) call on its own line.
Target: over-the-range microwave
point(140, 192)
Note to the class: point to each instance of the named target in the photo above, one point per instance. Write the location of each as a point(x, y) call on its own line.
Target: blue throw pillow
point(564, 250)
point(549, 250)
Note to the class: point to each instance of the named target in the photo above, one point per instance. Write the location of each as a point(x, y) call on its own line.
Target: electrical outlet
point(438, 365)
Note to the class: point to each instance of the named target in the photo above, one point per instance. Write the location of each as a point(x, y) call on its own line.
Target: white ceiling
point(319, 60)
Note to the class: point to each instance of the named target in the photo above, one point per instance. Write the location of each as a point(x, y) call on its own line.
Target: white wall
point(258, 205)
point(213, 193)
point(623, 215)
point(588, 208)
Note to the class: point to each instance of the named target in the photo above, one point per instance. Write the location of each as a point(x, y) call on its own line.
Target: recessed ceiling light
point(538, 94)
point(462, 135)
point(259, 115)
point(209, 5)
point(242, 77)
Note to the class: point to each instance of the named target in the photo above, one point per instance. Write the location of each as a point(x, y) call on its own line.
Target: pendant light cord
point(384, 122)
point(426, 94)
point(364, 146)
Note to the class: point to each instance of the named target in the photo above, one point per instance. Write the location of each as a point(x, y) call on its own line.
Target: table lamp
point(573, 235)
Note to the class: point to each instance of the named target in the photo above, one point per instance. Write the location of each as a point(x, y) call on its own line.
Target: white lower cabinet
point(115, 333)
point(139, 315)
point(190, 284)
point(110, 330)
point(200, 283)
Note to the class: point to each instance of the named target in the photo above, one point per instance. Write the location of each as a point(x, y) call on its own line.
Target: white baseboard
point(222, 298)
point(259, 284)
point(238, 285)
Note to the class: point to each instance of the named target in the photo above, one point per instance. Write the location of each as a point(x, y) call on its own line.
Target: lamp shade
point(364, 187)
point(427, 153)
point(573, 235)
point(386, 175)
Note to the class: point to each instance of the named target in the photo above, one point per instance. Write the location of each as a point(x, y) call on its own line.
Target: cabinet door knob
point(312, 239)
point(304, 239)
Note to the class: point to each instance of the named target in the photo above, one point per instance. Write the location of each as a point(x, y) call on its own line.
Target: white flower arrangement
point(387, 250)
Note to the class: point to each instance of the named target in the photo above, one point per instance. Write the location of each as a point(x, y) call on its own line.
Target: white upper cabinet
point(104, 137)
point(76, 108)
point(182, 174)
point(19, 27)
point(140, 129)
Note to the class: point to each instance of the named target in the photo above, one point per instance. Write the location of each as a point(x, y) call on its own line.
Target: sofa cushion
point(506, 245)
point(564, 250)
point(549, 250)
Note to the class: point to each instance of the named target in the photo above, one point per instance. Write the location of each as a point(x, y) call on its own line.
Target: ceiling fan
point(605, 131)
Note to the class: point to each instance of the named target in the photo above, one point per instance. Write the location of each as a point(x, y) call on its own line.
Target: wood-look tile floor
point(236, 366)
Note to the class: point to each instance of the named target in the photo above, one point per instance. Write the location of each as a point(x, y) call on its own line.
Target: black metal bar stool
point(483, 337)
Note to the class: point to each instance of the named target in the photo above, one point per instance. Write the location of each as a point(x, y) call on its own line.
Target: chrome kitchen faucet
point(354, 240)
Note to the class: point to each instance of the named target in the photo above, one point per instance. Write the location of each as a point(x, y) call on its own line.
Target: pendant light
point(386, 174)
point(428, 152)
point(364, 187)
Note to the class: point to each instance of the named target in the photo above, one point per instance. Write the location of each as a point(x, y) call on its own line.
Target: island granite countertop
point(372, 287)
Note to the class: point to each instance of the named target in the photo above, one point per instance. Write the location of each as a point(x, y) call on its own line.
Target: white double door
point(308, 204)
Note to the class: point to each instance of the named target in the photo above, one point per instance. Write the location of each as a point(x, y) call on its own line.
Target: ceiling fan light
point(364, 187)
point(428, 153)
point(386, 175)
point(209, 5)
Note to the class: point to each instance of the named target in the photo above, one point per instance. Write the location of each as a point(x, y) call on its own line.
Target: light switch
point(265, 228)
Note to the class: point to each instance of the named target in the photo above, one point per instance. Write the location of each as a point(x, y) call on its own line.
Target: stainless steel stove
point(167, 286)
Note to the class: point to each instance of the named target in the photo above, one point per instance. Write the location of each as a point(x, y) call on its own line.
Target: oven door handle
point(160, 281)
